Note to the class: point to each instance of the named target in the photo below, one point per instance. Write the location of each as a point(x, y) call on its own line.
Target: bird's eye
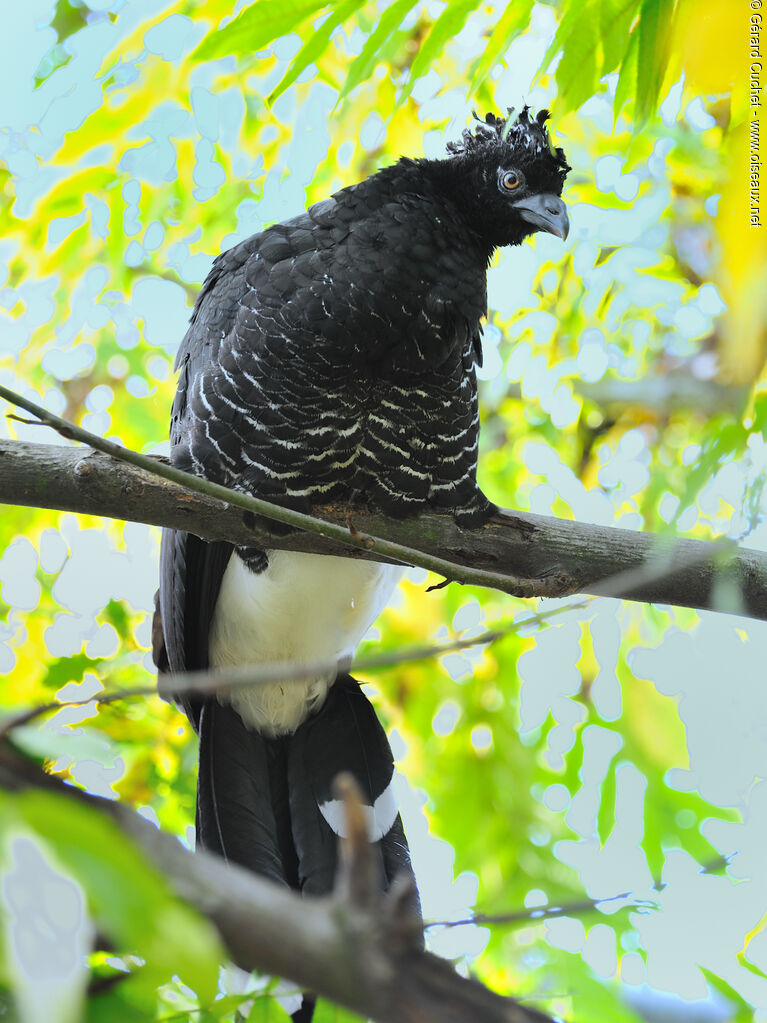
point(510, 181)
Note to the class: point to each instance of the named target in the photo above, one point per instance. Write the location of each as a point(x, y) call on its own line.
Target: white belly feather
point(302, 608)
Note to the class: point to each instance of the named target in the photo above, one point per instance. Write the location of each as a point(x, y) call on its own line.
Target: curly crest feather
point(530, 137)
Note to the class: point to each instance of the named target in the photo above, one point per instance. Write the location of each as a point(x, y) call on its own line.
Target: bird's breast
point(302, 608)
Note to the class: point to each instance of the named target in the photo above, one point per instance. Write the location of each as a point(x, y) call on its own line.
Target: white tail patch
point(380, 816)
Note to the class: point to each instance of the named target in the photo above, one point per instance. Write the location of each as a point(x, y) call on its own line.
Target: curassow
point(331, 358)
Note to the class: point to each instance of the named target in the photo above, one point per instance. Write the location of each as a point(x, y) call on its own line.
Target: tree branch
point(598, 560)
point(666, 394)
point(337, 947)
point(348, 534)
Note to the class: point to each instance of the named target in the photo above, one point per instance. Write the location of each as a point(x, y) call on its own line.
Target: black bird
point(331, 358)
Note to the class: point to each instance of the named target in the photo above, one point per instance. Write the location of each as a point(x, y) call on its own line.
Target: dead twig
point(356, 881)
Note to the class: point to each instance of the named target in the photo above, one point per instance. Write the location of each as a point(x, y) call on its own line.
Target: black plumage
point(331, 358)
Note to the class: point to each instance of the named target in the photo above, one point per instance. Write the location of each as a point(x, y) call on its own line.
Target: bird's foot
point(476, 512)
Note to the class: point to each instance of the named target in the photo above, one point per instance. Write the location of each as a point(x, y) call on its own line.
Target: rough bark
point(547, 556)
point(355, 949)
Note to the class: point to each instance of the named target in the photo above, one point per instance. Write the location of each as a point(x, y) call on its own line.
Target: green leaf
point(596, 999)
point(328, 1013)
point(371, 54)
point(113, 1008)
point(266, 1010)
point(751, 967)
point(313, 49)
point(606, 812)
point(628, 76)
point(510, 24)
point(447, 25)
point(117, 614)
point(745, 1011)
point(726, 438)
point(593, 38)
point(760, 413)
point(7, 1007)
point(615, 20)
point(652, 56)
point(70, 669)
point(82, 743)
point(129, 900)
point(578, 71)
point(256, 27)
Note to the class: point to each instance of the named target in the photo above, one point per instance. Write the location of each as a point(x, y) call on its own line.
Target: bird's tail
point(268, 804)
point(345, 736)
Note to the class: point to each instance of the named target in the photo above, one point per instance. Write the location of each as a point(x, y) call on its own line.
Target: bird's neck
point(448, 187)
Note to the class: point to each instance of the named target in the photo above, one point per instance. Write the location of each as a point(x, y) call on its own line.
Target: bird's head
point(511, 178)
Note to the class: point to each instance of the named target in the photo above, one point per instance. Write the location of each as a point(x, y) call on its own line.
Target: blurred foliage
point(611, 749)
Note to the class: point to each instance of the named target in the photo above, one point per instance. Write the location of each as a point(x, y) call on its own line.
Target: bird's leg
point(367, 542)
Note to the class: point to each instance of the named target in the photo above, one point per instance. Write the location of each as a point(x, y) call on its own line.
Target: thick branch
point(676, 391)
point(574, 556)
point(288, 516)
point(348, 954)
point(667, 394)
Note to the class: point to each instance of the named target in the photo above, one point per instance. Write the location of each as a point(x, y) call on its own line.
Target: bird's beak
point(545, 212)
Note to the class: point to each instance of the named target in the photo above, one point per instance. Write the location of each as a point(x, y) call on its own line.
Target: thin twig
point(683, 572)
point(356, 883)
point(571, 909)
point(299, 520)
point(539, 913)
point(216, 680)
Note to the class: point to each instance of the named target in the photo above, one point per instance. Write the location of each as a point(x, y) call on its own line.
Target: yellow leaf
point(712, 53)
point(743, 234)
